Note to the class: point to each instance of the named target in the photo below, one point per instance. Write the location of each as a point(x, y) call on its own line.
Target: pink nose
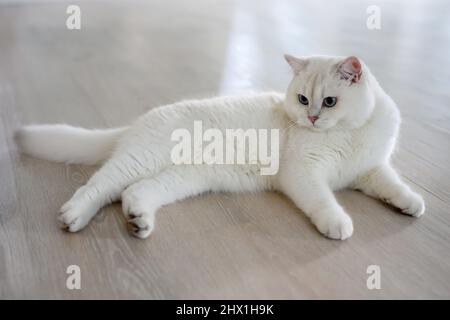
point(313, 119)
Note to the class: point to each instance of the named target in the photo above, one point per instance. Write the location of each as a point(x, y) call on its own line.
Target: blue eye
point(303, 100)
point(329, 102)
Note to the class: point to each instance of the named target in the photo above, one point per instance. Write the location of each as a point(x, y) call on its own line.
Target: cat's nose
point(313, 118)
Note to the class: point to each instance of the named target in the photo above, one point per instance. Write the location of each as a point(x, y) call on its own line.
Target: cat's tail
point(63, 143)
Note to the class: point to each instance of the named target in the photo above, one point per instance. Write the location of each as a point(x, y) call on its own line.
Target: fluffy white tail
point(63, 143)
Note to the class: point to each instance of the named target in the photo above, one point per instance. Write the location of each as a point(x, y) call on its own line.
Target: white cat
point(337, 127)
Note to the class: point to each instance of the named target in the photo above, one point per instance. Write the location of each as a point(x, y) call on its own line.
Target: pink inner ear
point(351, 69)
point(356, 65)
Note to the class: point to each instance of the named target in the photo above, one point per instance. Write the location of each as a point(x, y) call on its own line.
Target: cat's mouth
point(317, 127)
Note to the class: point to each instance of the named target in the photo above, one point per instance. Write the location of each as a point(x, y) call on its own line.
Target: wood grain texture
point(135, 55)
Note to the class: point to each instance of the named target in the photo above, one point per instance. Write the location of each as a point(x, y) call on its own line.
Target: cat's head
point(328, 92)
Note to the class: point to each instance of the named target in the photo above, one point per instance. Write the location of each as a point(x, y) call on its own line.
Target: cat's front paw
point(334, 226)
point(139, 214)
point(410, 203)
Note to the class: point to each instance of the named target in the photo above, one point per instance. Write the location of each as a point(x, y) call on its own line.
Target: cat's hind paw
point(139, 214)
point(75, 215)
point(140, 227)
point(334, 226)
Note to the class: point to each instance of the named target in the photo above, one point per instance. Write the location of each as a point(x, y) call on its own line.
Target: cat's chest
point(339, 153)
point(315, 147)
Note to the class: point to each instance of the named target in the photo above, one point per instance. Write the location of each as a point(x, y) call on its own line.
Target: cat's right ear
point(350, 69)
point(296, 64)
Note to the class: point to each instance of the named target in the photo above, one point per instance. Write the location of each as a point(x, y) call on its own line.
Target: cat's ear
point(296, 64)
point(350, 69)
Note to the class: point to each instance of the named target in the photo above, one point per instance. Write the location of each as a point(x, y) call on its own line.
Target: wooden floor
point(135, 55)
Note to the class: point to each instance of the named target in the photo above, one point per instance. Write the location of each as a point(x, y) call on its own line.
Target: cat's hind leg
point(143, 151)
point(103, 188)
point(385, 184)
point(141, 200)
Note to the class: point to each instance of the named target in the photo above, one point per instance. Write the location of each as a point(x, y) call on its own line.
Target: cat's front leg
point(385, 184)
point(312, 194)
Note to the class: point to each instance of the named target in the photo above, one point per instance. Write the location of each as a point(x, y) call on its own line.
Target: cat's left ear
point(350, 69)
point(296, 64)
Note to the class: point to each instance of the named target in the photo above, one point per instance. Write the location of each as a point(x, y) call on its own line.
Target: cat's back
point(259, 110)
point(237, 104)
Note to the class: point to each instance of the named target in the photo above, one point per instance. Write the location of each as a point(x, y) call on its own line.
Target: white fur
point(63, 143)
point(348, 146)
